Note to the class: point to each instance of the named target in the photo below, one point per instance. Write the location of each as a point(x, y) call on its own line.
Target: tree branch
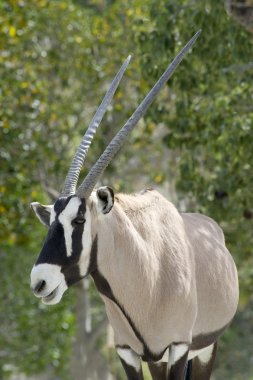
point(97, 331)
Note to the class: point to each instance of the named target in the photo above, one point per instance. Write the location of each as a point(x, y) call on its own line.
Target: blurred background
point(194, 145)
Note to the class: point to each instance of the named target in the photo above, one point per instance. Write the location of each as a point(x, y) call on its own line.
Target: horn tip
point(197, 34)
point(193, 39)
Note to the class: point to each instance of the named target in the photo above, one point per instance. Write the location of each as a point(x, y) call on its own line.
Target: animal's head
point(66, 256)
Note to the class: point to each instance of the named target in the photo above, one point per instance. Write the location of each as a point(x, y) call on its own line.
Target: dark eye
point(79, 220)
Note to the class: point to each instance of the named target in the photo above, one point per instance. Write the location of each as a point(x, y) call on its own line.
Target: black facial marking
point(93, 256)
point(61, 204)
point(72, 275)
point(54, 249)
point(77, 233)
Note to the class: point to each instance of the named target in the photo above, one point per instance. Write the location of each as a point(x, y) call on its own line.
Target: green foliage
point(44, 61)
point(55, 58)
point(209, 117)
point(32, 336)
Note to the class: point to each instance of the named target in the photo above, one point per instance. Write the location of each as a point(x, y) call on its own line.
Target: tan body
point(170, 272)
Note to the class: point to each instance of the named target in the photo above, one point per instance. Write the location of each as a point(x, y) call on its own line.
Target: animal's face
point(66, 254)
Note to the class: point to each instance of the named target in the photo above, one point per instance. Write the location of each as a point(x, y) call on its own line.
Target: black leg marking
point(178, 369)
point(202, 370)
point(189, 371)
point(131, 363)
point(131, 372)
point(158, 370)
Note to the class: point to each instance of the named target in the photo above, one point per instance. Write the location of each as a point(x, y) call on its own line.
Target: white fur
point(177, 351)
point(165, 357)
point(62, 287)
point(52, 275)
point(65, 218)
point(86, 242)
point(129, 357)
point(52, 215)
point(96, 202)
point(204, 355)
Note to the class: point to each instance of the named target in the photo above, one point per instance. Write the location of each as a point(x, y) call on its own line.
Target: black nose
point(39, 287)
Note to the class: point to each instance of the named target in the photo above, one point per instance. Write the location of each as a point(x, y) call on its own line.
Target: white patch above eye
point(65, 218)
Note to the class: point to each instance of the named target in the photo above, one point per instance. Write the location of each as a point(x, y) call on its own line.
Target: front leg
point(131, 363)
point(178, 361)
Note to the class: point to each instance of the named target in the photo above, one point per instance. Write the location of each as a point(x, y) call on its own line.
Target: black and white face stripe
point(64, 258)
point(64, 240)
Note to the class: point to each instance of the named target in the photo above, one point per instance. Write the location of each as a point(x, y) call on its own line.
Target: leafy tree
point(55, 59)
point(209, 118)
point(47, 55)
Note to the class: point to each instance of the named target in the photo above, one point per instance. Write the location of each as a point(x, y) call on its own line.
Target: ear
point(105, 196)
point(42, 212)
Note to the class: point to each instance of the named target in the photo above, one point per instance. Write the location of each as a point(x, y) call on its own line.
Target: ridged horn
point(92, 177)
point(70, 183)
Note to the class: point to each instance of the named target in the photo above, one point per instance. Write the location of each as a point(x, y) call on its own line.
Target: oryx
point(168, 282)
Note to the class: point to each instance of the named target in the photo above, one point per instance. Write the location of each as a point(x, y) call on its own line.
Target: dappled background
point(195, 145)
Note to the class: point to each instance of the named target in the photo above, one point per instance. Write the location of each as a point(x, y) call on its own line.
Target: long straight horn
point(78, 160)
point(91, 179)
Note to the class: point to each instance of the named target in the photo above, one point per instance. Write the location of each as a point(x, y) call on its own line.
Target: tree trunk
point(87, 362)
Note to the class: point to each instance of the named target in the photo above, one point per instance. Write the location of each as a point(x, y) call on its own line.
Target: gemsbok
point(168, 282)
